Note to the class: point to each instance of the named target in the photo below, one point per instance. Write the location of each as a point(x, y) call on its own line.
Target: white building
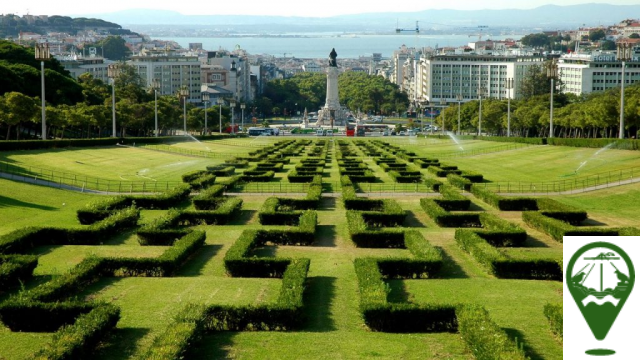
point(238, 70)
point(171, 69)
point(312, 67)
point(587, 73)
point(78, 65)
point(446, 76)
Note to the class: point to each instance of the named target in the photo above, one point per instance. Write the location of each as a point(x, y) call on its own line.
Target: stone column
point(333, 102)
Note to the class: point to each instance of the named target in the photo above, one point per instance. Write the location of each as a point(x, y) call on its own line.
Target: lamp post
point(443, 103)
point(459, 99)
point(183, 94)
point(155, 85)
point(43, 54)
point(113, 71)
point(509, 86)
point(242, 107)
point(220, 102)
point(481, 92)
point(232, 104)
point(624, 55)
point(205, 99)
point(552, 73)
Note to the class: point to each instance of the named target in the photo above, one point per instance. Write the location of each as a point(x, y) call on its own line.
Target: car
point(402, 133)
point(320, 132)
point(329, 133)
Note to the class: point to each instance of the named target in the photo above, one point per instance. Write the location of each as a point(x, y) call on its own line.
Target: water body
point(318, 46)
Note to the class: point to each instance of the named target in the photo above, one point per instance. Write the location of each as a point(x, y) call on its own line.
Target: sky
point(319, 8)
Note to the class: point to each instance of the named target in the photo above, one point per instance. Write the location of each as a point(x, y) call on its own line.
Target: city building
point(231, 72)
point(599, 71)
point(171, 69)
point(78, 65)
point(446, 76)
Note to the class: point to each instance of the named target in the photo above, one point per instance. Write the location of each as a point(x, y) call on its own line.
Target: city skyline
point(327, 8)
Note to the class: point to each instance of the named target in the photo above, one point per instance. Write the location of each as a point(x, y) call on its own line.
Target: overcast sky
point(318, 8)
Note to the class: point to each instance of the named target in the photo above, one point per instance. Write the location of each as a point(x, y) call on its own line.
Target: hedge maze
point(428, 264)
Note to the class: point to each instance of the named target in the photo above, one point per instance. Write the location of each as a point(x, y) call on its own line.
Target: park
point(298, 247)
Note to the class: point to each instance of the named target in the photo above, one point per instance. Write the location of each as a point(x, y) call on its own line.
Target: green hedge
point(274, 212)
point(54, 144)
point(437, 212)
point(433, 184)
point(20, 241)
point(460, 182)
point(553, 312)
point(503, 203)
point(485, 339)
point(622, 144)
point(236, 163)
point(78, 341)
point(15, 269)
point(406, 177)
point(25, 315)
point(100, 210)
point(258, 176)
point(221, 170)
point(557, 229)
point(439, 171)
point(202, 182)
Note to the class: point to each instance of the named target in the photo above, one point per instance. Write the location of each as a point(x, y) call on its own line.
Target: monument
point(332, 114)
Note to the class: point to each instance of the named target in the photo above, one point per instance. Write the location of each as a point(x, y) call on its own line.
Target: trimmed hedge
point(15, 269)
point(257, 176)
point(20, 241)
point(25, 315)
point(436, 211)
point(236, 163)
point(553, 312)
point(557, 229)
point(222, 170)
point(100, 210)
point(441, 171)
point(485, 339)
point(433, 184)
point(460, 182)
point(622, 144)
point(406, 176)
point(79, 340)
point(502, 203)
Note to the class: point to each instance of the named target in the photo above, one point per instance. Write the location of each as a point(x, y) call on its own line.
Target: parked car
point(320, 132)
point(329, 133)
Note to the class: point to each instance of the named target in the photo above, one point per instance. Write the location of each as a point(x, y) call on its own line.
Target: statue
point(332, 58)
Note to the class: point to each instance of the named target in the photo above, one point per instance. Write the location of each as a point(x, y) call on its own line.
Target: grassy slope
point(114, 163)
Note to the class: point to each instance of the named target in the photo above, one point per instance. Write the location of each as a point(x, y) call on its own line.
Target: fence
point(393, 188)
point(465, 153)
point(181, 151)
point(601, 180)
point(270, 188)
point(58, 179)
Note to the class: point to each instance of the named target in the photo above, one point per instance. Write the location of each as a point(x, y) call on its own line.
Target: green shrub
point(503, 203)
point(485, 339)
point(624, 144)
point(460, 182)
point(436, 211)
point(258, 176)
point(25, 315)
point(79, 340)
point(221, 170)
point(433, 184)
point(553, 312)
point(15, 269)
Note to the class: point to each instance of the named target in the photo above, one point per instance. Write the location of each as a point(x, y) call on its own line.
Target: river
point(319, 46)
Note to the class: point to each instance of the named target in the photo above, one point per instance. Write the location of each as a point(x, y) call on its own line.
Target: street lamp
point(42, 54)
point(443, 103)
point(552, 73)
point(113, 71)
point(243, 106)
point(624, 55)
point(459, 99)
point(220, 102)
point(509, 86)
point(183, 94)
point(232, 104)
point(155, 85)
point(482, 91)
point(205, 99)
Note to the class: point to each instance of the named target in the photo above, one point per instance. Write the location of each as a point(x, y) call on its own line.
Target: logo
point(600, 277)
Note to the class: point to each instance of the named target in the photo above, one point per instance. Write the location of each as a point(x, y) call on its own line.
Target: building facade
point(446, 76)
point(587, 73)
point(171, 69)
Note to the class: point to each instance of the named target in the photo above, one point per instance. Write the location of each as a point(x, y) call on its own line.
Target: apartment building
point(446, 76)
point(587, 73)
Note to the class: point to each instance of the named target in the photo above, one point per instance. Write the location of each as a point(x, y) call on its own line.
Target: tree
point(608, 45)
point(20, 109)
point(536, 81)
point(596, 35)
point(634, 36)
point(535, 40)
point(114, 48)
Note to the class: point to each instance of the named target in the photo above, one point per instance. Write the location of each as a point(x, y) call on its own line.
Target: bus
point(259, 131)
point(373, 130)
point(350, 130)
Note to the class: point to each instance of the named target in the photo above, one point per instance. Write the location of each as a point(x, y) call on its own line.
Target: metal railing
point(189, 152)
point(270, 187)
point(393, 188)
point(59, 179)
point(595, 181)
point(496, 149)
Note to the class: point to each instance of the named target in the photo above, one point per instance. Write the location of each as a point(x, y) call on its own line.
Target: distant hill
point(12, 25)
point(549, 17)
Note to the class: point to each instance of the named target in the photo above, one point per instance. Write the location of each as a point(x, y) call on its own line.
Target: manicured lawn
point(113, 163)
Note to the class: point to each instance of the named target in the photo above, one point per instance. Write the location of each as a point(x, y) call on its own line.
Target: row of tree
point(589, 116)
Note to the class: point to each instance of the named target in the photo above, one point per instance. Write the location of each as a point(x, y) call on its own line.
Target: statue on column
point(332, 58)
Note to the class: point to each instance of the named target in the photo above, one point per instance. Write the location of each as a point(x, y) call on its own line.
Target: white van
point(329, 133)
point(320, 132)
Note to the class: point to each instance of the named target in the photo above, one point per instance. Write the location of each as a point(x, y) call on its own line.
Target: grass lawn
point(113, 163)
